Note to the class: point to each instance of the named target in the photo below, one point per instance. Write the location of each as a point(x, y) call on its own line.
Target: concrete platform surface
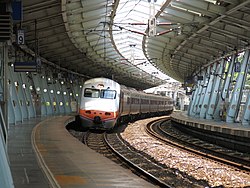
point(235, 129)
point(25, 169)
point(71, 164)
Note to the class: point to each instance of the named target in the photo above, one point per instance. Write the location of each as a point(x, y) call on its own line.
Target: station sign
point(25, 66)
point(20, 37)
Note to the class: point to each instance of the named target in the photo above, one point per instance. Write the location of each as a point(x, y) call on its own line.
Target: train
point(105, 103)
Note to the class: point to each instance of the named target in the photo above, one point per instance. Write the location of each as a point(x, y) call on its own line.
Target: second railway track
point(164, 131)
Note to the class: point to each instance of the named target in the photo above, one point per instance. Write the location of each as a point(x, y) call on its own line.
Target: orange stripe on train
point(102, 114)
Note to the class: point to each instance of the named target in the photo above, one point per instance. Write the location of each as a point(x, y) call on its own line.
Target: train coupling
point(97, 120)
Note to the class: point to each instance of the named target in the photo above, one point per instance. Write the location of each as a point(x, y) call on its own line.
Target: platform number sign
point(20, 37)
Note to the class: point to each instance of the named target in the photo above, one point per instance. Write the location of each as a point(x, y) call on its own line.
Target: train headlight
point(100, 86)
point(107, 113)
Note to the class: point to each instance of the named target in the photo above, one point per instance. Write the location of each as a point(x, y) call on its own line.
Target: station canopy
point(135, 41)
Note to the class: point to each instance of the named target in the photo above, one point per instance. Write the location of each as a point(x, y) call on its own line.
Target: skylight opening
point(212, 1)
point(187, 10)
point(180, 8)
point(198, 13)
point(132, 18)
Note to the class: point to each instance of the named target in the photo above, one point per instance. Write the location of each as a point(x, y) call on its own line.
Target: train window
point(93, 93)
point(135, 101)
point(145, 101)
point(108, 94)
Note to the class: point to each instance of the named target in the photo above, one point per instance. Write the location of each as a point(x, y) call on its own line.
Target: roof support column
point(15, 108)
point(246, 113)
point(223, 93)
point(3, 84)
point(215, 91)
point(209, 89)
point(195, 97)
point(234, 105)
point(203, 91)
point(6, 179)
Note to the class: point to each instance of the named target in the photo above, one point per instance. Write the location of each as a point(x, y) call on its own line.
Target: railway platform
point(47, 155)
point(233, 129)
point(233, 136)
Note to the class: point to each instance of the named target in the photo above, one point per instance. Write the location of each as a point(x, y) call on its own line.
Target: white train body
point(104, 102)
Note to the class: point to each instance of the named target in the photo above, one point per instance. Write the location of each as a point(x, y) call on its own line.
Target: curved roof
point(110, 38)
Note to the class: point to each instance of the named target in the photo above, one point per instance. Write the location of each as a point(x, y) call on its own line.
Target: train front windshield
point(103, 93)
point(108, 94)
point(92, 93)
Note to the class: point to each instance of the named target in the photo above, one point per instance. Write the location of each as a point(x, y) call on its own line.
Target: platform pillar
point(215, 91)
point(193, 98)
point(237, 92)
point(203, 90)
point(246, 113)
point(196, 96)
point(208, 91)
point(223, 92)
point(15, 112)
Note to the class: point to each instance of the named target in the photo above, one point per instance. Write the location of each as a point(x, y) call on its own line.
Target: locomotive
point(105, 103)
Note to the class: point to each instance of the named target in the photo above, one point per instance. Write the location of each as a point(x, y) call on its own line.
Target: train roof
point(123, 87)
point(100, 79)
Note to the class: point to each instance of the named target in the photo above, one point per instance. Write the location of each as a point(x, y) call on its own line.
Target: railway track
point(114, 148)
point(165, 132)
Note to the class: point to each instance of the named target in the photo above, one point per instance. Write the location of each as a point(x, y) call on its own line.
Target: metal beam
point(228, 33)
